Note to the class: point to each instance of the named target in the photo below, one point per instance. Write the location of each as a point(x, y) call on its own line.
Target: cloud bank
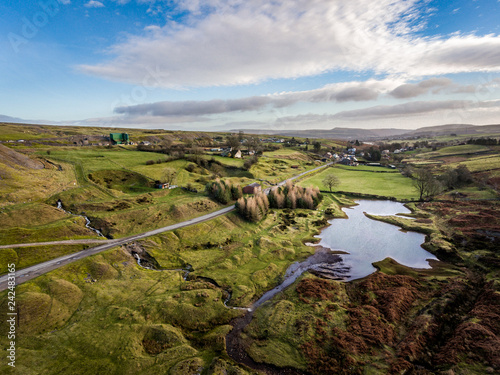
point(236, 42)
point(342, 92)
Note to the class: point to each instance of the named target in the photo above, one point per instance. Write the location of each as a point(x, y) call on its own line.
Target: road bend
point(29, 273)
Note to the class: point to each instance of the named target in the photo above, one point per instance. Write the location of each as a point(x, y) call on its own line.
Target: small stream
point(323, 263)
point(147, 264)
point(87, 221)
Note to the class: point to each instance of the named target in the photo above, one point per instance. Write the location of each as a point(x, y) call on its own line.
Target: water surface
point(367, 241)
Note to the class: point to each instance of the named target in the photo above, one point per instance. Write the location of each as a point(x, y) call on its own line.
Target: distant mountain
point(455, 129)
point(14, 120)
point(378, 134)
point(335, 133)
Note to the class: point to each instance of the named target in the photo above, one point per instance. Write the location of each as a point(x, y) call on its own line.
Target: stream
point(87, 221)
point(147, 264)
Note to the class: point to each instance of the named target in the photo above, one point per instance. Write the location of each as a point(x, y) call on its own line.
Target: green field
point(462, 149)
point(105, 314)
point(363, 181)
point(480, 163)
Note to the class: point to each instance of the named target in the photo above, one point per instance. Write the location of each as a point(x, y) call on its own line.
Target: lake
point(367, 241)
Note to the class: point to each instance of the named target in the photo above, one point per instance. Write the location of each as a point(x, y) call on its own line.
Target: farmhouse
point(162, 185)
point(252, 188)
point(119, 138)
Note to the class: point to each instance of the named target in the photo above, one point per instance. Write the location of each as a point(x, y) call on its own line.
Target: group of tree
point(483, 141)
point(223, 192)
point(453, 178)
point(253, 208)
point(292, 196)
point(317, 147)
point(426, 184)
point(373, 154)
point(169, 175)
point(429, 184)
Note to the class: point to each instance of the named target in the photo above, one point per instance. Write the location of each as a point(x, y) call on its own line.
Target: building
point(119, 138)
point(252, 188)
point(162, 185)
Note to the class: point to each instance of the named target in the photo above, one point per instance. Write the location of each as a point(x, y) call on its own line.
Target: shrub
point(190, 167)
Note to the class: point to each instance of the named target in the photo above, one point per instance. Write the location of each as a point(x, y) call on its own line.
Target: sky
point(250, 64)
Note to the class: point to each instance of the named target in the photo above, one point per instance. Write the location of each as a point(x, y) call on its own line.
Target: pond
point(362, 241)
point(366, 241)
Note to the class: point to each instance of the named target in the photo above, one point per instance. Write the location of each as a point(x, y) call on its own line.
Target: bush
point(249, 162)
point(190, 167)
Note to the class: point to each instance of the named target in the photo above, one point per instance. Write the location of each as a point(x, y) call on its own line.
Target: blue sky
point(236, 64)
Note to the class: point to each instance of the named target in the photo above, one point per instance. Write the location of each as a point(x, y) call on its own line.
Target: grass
point(21, 185)
point(104, 314)
point(233, 162)
point(28, 256)
point(107, 315)
point(480, 163)
point(248, 258)
point(279, 167)
point(462, 149)
point(282, 325)
point(94, 158)
point(361, 181)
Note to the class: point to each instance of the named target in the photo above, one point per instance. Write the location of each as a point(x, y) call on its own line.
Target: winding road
point(29, 273)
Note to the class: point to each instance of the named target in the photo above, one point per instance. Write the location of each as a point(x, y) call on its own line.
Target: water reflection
point(369, 241)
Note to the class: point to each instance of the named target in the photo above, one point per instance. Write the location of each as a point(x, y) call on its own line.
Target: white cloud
point(242, 42)
point(152, 28)
point(94, 4)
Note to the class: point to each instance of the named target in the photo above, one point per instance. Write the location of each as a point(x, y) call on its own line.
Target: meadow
point(366, 180)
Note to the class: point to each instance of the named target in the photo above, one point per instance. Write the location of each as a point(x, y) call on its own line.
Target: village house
point(162, 185)
point(252, 188)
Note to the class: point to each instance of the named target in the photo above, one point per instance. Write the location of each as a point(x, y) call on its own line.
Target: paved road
point(63, 242)
point(29, 273)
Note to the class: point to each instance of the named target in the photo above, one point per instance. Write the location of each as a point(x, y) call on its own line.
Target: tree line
point(256, 207)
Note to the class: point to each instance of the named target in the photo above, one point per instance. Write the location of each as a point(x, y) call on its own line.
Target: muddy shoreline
point(322, 263)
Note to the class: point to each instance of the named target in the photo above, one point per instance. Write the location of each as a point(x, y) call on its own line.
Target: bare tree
point(233, 142)
point(330, 181)
point(425, 183)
